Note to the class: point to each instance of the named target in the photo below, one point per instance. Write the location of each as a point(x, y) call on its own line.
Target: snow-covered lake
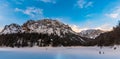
point(60, 53)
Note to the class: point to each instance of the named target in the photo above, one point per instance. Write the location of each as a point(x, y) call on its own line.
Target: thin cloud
point(48, 1)
point(105, 27)
point(18, 1)
point(114, 14)
point(84, 4)
point(4, 4)
point(31, 11)
point(89, 4)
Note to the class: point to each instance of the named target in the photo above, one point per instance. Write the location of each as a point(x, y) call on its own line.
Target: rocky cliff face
point(47, 26)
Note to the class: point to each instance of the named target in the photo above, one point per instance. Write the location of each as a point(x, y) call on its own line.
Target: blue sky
point(79, 14)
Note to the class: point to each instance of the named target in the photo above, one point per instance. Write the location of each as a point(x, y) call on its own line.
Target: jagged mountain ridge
point(91, 33)
point(12, 28)
point(47, 26)
point(51, 31)
point(41, 26)
point(35, 33)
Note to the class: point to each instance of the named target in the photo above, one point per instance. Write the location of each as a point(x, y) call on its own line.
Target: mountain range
point(48, 32)
point(48, 26)
point(56, 33)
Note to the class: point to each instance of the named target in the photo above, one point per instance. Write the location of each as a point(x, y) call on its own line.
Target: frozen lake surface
point(60, 53)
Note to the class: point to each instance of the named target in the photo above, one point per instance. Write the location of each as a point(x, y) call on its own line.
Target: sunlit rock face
point(91, 33)
point(46, 26)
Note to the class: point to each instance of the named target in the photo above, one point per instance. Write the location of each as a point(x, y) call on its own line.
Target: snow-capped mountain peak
point(12, 28)
point(47, 26)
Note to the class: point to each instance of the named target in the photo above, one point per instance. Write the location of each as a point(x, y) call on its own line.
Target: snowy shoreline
point(67, 50)
point(47, 48)
point(61, 52)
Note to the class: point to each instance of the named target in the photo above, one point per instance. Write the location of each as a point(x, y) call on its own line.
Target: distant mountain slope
point(90, 33)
